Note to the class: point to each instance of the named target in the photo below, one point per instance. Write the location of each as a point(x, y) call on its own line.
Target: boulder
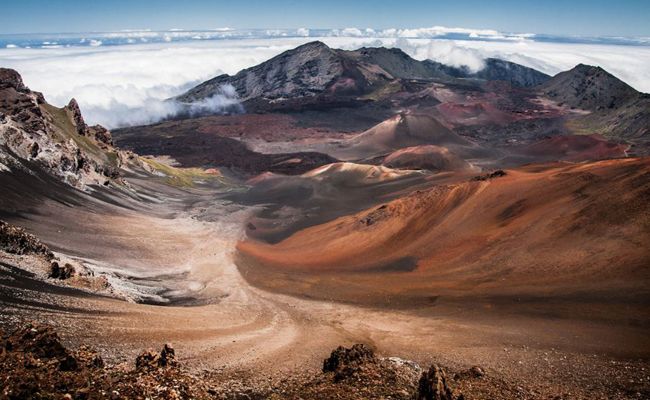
point(486, 177)
point(167, 356)
point(344, 362)
point(65, 272)
point(33, 150)
point(10, 78)
point(149, 359)
point(40, 340)
point(476, 372)
point(433, 385)
point(101, 134)
point(15, 240)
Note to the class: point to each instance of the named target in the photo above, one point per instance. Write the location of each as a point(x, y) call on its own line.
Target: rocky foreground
point(35, 364)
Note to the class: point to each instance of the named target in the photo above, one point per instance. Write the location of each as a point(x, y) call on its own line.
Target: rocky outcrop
point(40, 344)
point(149, 359)
point(344, 362)
point(34, 364)
point(55, 139)
point(433, 386)
point(101, 134)
point(490, 175)
point(77, 118)
point(62, 272)
point(16, 240)
point(11, 79)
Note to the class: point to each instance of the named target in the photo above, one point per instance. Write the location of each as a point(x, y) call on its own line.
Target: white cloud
point(127, 84)
point(347, 32)
point(628, 63)
point(447, 52)
point(302, 32)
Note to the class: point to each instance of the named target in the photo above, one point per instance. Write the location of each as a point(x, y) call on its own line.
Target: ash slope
point(547, 230)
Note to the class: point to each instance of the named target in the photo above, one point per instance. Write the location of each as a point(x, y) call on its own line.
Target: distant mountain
point(518, 75)
point(309, 70)
point(617, 109)
point(588, 88)
point(316, 73)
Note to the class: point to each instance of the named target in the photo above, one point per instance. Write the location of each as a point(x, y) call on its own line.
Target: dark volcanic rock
point(58, 272)
point(317, 75)
point(495, 70)
point(588, 87)
point(15, 240)
point(433, 386)
point(617, 109)
point(149, 359)
point(101, 134)
point(344, 362)
point(302, 72)
point(78, 119)
point(192, 148)
point(40, 340)
point(9, 78)
point(35, 365)
point(167, 356)
point(500, 70)
point(486, 177)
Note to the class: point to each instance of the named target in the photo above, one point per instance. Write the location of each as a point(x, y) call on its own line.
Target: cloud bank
point(127, 83)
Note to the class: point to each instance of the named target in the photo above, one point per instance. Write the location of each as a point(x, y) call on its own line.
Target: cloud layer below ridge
point(126, 84)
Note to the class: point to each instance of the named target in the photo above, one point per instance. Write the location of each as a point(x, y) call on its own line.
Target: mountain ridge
point(314, 69)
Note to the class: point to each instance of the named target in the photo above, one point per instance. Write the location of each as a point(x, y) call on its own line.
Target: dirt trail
point(237, 328)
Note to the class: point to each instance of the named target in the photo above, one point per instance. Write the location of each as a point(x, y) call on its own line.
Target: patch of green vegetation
point(179, 177)
point(66, 130)
point(113, 158)
point(384, 91)
point(579, 126)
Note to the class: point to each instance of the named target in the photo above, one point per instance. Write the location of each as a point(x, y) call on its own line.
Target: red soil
point(576, 148)
point(540, 230)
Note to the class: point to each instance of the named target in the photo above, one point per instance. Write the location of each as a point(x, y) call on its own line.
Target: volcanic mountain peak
point(589, 87)
point(411, 128)
point(304, 71)
point(315, 74)
point(400, 131)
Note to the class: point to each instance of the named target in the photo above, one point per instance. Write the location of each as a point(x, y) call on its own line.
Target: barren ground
point(221, 322)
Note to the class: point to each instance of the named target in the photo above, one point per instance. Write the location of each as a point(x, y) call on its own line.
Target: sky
point(558, 17)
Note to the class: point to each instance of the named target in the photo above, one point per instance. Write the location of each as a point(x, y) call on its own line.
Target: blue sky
point(561, 17)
